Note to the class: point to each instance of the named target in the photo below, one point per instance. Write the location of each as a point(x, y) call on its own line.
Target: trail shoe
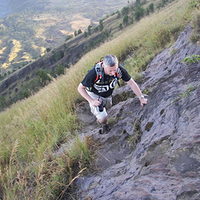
point(104, 130)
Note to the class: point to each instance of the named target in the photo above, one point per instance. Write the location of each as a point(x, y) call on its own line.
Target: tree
point(58, 55)
point(118, 14)
point(48, 49)
point(137, 2)
point(79, 31)
point(139, 13)
point(147, 11)
point(101, 25)
point(125, 10)
point(2, 102)
point(59, 70)
point(89, 29)
point(96, 29)
point(125, 20)
point(151, 7)
point(43, 77)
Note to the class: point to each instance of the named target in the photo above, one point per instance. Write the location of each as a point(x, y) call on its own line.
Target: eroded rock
point(165, 161)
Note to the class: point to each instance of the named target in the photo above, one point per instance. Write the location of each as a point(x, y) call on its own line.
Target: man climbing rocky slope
point(152, 152)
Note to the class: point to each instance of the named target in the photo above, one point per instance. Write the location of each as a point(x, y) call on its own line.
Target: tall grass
point(32, 129)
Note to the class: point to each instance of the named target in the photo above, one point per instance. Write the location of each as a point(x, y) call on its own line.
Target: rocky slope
point(151, 152)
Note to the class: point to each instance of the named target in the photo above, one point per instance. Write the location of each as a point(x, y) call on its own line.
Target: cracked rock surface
point(151, 152)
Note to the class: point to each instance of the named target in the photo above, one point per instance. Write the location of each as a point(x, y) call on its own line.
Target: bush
point(139, 13)
point(2, 102)
point(79, 31)
point(125, 10)
point(69, 37)
point(25, 93)
point(151, 7)
point(58, 55)
point(118, 14)
point(101, 25)
point(59, 70)
point(89, 29)
point(48, 49)
point(125, 20)
point(43, 77)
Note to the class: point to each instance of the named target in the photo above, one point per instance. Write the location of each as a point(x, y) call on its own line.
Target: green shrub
point(2, 102)
point(59, 70)
point(101, 25)
point(125, 19)
point(48, 49)
point(191, 59)
point(58, 55)
point(43, 76)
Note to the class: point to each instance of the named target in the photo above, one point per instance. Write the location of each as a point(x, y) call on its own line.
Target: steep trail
point(151, 152)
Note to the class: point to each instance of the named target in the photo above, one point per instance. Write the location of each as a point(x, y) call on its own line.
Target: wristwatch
point(141, 97)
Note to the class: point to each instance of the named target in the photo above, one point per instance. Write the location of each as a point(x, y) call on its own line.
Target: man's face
point(110, 70)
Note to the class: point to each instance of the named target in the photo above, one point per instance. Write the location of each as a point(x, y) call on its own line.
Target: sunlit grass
point(15, 50)
point(32, 129)
point(13, 54)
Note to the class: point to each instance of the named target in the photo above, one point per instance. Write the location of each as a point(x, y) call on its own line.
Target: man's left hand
point(143, 101)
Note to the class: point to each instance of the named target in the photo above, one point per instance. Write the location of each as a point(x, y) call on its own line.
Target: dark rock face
point(152, 152)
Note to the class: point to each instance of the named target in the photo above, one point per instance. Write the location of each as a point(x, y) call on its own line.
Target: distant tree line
point(136, 11)
point(130, 13)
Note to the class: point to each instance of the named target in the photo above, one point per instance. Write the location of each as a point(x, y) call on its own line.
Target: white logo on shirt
point(113, 83)
point(105, 88)
point(101, 88)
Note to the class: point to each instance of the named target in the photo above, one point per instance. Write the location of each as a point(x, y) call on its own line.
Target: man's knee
point(103, 121)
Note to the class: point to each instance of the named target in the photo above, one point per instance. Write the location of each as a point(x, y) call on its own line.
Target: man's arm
point(137, 91)
point(85, 95)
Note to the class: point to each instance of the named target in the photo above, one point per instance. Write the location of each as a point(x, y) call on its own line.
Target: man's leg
point(101, 115)
point(103, 121)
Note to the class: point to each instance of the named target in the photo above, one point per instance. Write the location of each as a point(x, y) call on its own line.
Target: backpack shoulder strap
point(98, 69)
point(118, 74)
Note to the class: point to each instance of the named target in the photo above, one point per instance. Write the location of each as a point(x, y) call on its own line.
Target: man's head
point(110, 64)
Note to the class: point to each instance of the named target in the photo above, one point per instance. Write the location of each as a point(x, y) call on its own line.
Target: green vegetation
point(106, 30)
point(59, 70)
point(135, 138)
point(191, 59)
point(32, 167)
point(195, 37)
point(43, 77)
point(36, 25)
point(185, 94)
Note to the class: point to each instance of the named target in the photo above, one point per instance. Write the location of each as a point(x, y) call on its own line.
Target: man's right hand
point(95, 102)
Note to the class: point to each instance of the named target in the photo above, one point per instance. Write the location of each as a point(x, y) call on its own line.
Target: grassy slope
point(31, 129)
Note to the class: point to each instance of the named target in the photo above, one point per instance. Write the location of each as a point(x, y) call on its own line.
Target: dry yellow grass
point(2, 50)
point(14, 53)
point(31, 128)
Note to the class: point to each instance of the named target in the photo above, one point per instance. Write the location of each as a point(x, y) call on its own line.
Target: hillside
point(152, 152)
point(24, 82)
point(34, 26)
point(50, 146)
